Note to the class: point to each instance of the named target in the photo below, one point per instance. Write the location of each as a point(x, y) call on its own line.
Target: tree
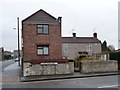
point(104, 46)
point(6, 57)
point(111, 48)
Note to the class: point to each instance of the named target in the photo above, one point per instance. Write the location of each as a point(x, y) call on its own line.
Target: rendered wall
point(73, 49)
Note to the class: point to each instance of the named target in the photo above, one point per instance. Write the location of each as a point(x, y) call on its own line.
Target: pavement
point(75, 75)
point(12, 74)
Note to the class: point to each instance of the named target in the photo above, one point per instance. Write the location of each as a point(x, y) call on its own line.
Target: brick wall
point(31, 39)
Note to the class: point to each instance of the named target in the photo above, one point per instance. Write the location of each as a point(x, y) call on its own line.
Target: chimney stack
point(74, 34)
point(59, 19)
point(95, 35)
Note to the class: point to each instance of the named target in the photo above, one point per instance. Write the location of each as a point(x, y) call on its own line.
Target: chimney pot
point(95, 35)
point(74, 34)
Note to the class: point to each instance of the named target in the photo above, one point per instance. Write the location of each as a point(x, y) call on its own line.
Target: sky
point(81, 16)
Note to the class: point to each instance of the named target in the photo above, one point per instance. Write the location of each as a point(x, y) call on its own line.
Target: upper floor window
point(42, 29)
point(89, 47)
point(42, 49)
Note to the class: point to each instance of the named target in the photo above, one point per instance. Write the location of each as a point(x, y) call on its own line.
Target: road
point(91, 82)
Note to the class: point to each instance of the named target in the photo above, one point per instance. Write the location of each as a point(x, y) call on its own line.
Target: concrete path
point(6, 63)
point(11, 73)
point(12, 66)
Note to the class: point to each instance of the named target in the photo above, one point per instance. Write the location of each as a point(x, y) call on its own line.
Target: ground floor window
point(65, 48)
point(43, 49)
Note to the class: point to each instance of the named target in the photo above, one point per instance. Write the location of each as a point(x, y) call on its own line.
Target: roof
point(40, 16)
point(8, 53)
point(80, 40)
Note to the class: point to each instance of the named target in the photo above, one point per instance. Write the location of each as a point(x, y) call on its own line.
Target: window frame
point(89, 47)
point(42, 47)
point(65, 48)
point(42, 28)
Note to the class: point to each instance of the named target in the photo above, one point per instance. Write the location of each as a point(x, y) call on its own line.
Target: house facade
point(15, 53)
point(71, 46)
point(8, 55)
point(41, 37)
point(42, 45)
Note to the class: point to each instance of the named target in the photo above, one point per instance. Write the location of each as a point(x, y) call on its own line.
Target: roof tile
point(80, 40)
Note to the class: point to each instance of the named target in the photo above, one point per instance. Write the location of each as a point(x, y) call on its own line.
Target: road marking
point(108, 86)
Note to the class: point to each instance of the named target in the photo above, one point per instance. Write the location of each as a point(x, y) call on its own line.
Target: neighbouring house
point(1, 53)
point(15, 53)
point(42, 46)
point(8, 55)
point(71, 46)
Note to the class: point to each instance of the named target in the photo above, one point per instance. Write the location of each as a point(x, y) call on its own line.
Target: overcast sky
point(82, 16)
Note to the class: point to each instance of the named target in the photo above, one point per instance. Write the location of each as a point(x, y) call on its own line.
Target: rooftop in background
point(75, 39)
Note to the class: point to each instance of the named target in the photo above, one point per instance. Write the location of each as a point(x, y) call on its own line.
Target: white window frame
point(65, 48)
point(42, 50)
point(42, 28)
point(89, 47)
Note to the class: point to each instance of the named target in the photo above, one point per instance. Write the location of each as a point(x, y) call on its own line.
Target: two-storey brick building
point(42, 45)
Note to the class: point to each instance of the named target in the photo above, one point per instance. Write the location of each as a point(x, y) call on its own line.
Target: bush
point(114, 56)
point(7, 57)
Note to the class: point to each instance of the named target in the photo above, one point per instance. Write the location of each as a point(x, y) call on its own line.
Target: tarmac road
point(89, 82)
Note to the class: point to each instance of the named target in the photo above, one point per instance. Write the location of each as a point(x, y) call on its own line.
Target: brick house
point(42, 45)
point(71, 46)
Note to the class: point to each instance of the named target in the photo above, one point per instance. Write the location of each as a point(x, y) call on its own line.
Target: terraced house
point(42, 46)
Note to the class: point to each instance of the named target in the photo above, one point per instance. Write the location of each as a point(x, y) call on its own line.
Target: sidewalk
point(55, 77)
point(12, 74)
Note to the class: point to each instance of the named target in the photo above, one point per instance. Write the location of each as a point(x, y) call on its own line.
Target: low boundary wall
point(99, 66)
point(47, 68)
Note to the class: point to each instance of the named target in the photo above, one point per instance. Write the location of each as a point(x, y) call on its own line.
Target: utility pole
point(18, 42)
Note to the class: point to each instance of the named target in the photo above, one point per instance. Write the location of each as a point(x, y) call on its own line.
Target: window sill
point(42, 34)
point(42, 54)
